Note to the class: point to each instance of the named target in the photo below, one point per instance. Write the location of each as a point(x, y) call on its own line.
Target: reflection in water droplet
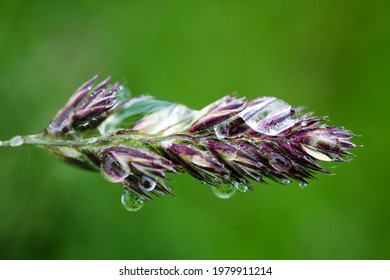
point(280, 126)
point(132, 201)
point(269, 115)
point(241, 187)
point(279, 162)
point(16, 141)
point(148, 184)
point(224, 191)
point(286, 181)
point(302, 184)
point(113, 170)
point(222, 130)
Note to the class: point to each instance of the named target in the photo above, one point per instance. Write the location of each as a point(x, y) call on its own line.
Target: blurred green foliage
point(331, 56)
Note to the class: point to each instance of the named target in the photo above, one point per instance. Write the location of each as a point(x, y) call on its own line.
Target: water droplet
point(302, 185)
point(222, 130)
point(269, 115)
point(132, 201)
point(16, 141)
point(224, 191)
point(286, 181)
point(241, 187)
point(114, 170)
point(148, 184)
point(279, 162)
point(92, 140)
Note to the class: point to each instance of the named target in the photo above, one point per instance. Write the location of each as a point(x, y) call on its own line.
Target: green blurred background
point(331, 56)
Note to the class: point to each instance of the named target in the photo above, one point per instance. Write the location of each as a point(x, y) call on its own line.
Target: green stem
point(42, 140)
point(37, 140)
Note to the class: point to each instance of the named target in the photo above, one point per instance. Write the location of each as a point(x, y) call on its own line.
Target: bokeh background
point(331, 56)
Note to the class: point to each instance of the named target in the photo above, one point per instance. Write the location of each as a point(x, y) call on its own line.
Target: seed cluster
point(229, 143)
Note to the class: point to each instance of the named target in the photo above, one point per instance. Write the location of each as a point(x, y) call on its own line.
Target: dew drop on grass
point(302, 185)
point(241, 187)
point(16, 141)
point(132, 201)
point(222, 130)
point(269, 115)
point(148, 184)
point(224, 191)
point(114, 170)
point(279, 162)
point(286, 181)
point(92, 140)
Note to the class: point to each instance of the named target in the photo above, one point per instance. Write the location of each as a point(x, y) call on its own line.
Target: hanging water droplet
point(302, 185)
point(131, 201)
point(241, 187)
point(224, 191)
point(286, 181)
point(16, 141)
